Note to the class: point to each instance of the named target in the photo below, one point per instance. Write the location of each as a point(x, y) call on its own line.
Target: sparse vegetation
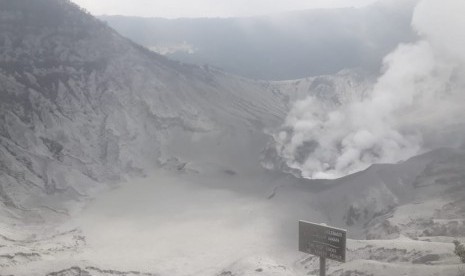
point(459, 250)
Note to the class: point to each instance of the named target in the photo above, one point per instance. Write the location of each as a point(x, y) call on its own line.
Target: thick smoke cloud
point(416, 104)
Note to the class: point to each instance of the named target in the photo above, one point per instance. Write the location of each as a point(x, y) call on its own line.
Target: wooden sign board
point(323, 241)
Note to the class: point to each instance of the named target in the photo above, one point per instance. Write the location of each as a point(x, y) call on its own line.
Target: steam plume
point(414, 105)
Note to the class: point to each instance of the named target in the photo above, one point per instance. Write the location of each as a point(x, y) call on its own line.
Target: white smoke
point(413, 105)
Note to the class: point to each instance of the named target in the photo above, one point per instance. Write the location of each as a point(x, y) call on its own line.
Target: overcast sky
point(207, 8)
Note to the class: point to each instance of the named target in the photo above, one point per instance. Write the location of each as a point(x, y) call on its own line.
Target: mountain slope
point(81, 105)
point(279, 46)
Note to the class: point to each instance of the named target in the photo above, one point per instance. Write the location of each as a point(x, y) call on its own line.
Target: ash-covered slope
point(405, 214)
point(81, 105)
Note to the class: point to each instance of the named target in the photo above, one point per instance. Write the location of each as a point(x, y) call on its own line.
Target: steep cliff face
point(81, 105)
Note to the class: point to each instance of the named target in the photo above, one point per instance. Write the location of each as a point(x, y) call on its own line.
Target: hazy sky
point(207, 8)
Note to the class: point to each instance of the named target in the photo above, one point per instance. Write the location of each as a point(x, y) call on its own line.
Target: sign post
point(323, 241)
point(322, 266)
